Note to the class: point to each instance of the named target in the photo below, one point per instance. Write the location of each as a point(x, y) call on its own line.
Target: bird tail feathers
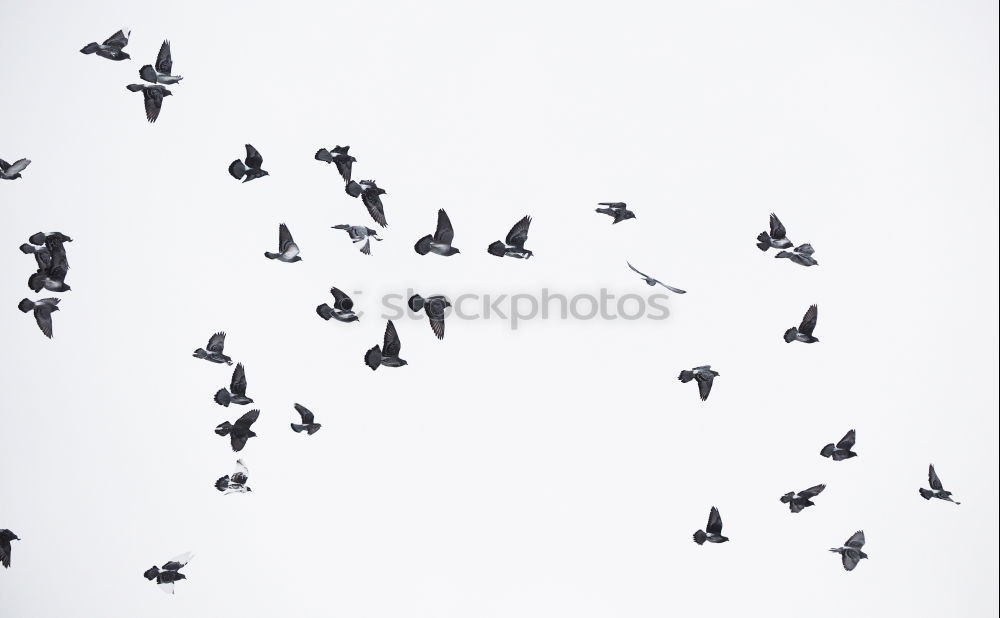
point(325, 311)
point(224, 428)
point(222, 397)
point(423, 245)
point(498, 249)
point(763, 241)
point(237, 170)
point(790, 334)
point(147, 73)
point(926, 494)
point(353, 189)
point(134, 87)
point(223, 483)
point(90, 48)
point(686, 376)
point(200, 353)
point(25, 305)
point(416, 302)
point(271, 256)
point(373, 358)
point(27, 249)
point(828, 450)
point(699, 537)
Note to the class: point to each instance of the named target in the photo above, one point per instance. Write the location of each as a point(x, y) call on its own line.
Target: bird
point(513, 246)
point(216, 345)
point(12, 171)
point(388, 354)
point(6, 536)
point(802, 255)
point(937, 490)
point(369, 192)
point(235, 483)
point(166, 575)
point(164, 65)
point(713, 530)
point(651, 281)
point(249, 168)
point(152, 98)
point(42, 309)
point(237, 392)
point(841, 450)
point(111, 48)
point(308, 421)
point(703, 375)
point(776, 238)
point(52, 269)
point(850, 553)
point(797, 501)
point(338, 156)
point(239, 432)
point(288, 251)
point(617, 210)
point(342, 310)
point(804, 332)
point(359, 233)
point(440, 241)
point(434, 307)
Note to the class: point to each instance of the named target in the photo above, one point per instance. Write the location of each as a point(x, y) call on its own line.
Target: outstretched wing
point(152, 98)
point(284, 238)
point(705, 387)
point(118, 39)
point(518, 234)
point(341, 301)
point(391, 344)
point(444, 233)
point(43, 317)
point(17, 166)
point(813, 491)
point(164, 63)
point(344, 168)
point(847, 441)
point(238, 385)
point(933, 479)
point(637, 270)
point(615, 205)
point(217, 343)
point(373, 203)
point(809, 320)
point(777, 229)
point(850, 558)
point(305, 413)
point(247, 419)
point(714, 522)
point(178, 561)
point(253, 160)
point(857, 540)
point(805, 249)
point(241, 474)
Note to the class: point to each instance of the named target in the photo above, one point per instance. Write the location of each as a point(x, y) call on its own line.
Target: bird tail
point(35, 282)
point(237, 170)
point(222, 397)
point(147, 73)
point(783, 254)
point(926, 494)
point(323, 155)
point(353, 189)
point(373, 358)
point(325, 311)
point(200, 353)
point(796, 507)
point(423, 245)
point(271, 256)
point(763, 241)
point(25, 305)
point(699, 537)
point(842, 455)
point(312, 428)
point(27, 249)
point(416, 302)
point(786, 498)
point(828, 450)
point(152, 571)
point(134, 87)
point(686, 376)
point(498, 249)
point(90, 48)
point(367, 247)
point(298, 428)
point(790, 334)
point(223, 483)
point(224, 428)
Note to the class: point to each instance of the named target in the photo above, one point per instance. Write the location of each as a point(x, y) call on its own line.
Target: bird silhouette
point(804, 332)
point(359, 233)
point(513, 246)
point(308, 424)
point(434, 307)
point(937, 490)
point(388, 354)
point(6, 536)
point(239, 432)
point(214, 351)
point(651, 281)
point(288, 251)
point(841, 450)
point(152, 98)
point(617, 210)
point(169, 573)
point(850, 553)
point(42, 310)
point(160, 74)
point(339, 157)
point(235, 483)
point(369, 193)
point(703, 375)
point(713, 530)
point(12, 171)
point(797, 501)
point(249, 168)
point(342, 309)
point(440, 241)
point(111, 48)
point(776, 238)
point(237, 392)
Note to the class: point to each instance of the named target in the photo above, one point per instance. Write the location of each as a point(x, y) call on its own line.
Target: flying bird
point(239, 432)
point(713, 530)
point(216, 345)
point(12, 171)
point(237, 392)
point(249, 168)
point(164, 65)
point(235, 483)
point(617, 210)
point(850, 553)
point(841, 450)
point(52, 269)
point(802, 255)
point(703, 375)
point(342, 310)
point(6, 536)
point(514, 243)
point(288, 251)
point(308, 421)
point(338, 156)
point(434, 307)
point(797, 501)
point(440, 242)
point(388, 354)
point(359, 233)
point(169, 573)
point(776, 238)
point(937, 490)
point(110, 48)
point(804, 332)
point(369, 192)
point(651, 281)
point(152, 98)
point(42, 309)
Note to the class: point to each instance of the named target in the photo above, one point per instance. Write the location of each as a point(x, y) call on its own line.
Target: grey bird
point(239, 432)
point(160, 74)
point(6, 536)
point(339, 157)
point(360, 233)
point(513, 246)
point(235, 483)
point(309, 424)
point(249, 168)
point(166, 575)
point(214, 351)
point(850, 553)
point(713, 530)
point(369, 192)
point(12, 171)
point(388, 354)
point(434, 307)
point(152, 98)
point(776, 238)
point(703, 375)
point(288, 251)
point(937, 490)
point(342, 309)
point(42, 309)
point(651, 281)
point(237, 391)
point(802, 255)
point(841, 450)
point(440, 241)
point(804, 332)
point(616, 210)
point(52, 269)
point(797, 501)
point(111, 48)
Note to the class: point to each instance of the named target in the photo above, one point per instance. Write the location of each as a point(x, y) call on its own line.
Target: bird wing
point(118, 39)
point(812, 492)
point(5, 553)
point(253, 160)
point(58, 267)
point(437, 325)
point(305, 413)
point(344, 167)
point(247, 419)
point(777, 228)
point(850, 558)
point(705, 387)
point(932, 476)
point(847, 441)
point(43, 317)
point(391, 344)
point(178, 561)
point(805, 249)
point(809, 320)
point(444, 233)
point(615, 205)
point(284, 238)
point(857, 540)
point(17, 166)
point(714, 525)
point(518, 234)
point(637, 270)
point(152, 98)
point(217, 342)
point(238, 385)
point(341, 301)
point(671, 288)
point(241, 473)
point(164, 63)
point(373, 203)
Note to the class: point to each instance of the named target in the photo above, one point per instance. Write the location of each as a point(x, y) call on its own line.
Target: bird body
point(937, 490)
point(308, 424)
point(239, 432)
point(703, 375)
point(841, 450)
point(440, 242)
point(168, 574)
point(42, 310)
point(804, 332)
point(513, 246)
point(775, 238)
point(797, 501)
point(651, 281)
point(237, 392)
point(214, 352)
point(338, 156)
point(435, 307)
point(288, 251)
point(342, 309)
point(111, 48)
point(713, 530)
point(250, 168)
point(6, 536)
point(802, 255)
point(152, 98)
point(12, 171)
point(235, 483)
point(850, 553)
point(369, 193)
point(160, 73)
point(388, 354)
point(360, 233)
point(617, 210)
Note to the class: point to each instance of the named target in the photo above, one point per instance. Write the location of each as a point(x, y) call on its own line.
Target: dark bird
point(239, 432)
point(359, 233)
point(388, 354)
point(235, 483)
point(45, 238)
point(440, 242)
point(850, 553)
point(249, 168)
point(802, 255)
point(776, 238)
point(342, 310)
point(166, 575)
point(797, 501)
point(651, 281)
point(110, 48)
point(434, 307)
point(215, 348)
point(43, 309)
point(804, 332)
point(937, 490)
point(369, 193)
point(152, 98)
point(12, 171)
point(308, 421)
point(6, 536)
point(164, 65)
point(514, 244)
point(703, 375)
point(338, 156)
point(288, 251)
point(617, 210)
point(841, 450)
point(52, 269)
point(237, 392)
point(713, 531)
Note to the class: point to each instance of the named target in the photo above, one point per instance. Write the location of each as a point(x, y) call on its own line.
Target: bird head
point(402, 362)
point(249, 490)
point(124, 56)
point(167, 93)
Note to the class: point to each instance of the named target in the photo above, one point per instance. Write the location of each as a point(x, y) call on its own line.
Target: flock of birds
point(52, 266)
